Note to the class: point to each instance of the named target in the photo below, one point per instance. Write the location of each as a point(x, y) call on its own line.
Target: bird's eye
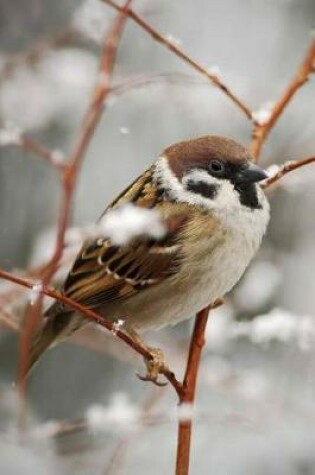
point(216, 167)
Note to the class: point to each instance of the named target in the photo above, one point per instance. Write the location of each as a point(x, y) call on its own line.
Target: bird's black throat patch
point(207, 190)
point(248, 195)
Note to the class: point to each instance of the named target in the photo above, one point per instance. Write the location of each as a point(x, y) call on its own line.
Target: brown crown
point(198, 152)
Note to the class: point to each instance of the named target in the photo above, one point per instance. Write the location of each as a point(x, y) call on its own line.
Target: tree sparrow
point(216, 214)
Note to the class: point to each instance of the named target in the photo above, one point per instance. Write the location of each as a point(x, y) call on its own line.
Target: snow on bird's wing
point(104, 273)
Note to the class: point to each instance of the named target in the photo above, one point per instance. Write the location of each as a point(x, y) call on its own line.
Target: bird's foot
point(155, 366)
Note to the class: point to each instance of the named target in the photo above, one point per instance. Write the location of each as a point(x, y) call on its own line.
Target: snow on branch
point(266, 118)
point(174, 47)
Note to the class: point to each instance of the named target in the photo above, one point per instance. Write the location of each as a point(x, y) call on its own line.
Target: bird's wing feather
point(104, 273)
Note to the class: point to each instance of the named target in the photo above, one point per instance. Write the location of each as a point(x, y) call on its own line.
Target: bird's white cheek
point(178, 190)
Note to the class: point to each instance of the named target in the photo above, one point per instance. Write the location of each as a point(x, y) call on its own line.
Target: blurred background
point(255, 411)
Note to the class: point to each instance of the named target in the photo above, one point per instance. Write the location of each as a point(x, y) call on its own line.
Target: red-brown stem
point(29, 144)
point(69, 176)
point(261, 132)
point(187, 394)
point(287, 167)
point(157, 36)
point(33, 312)
point(139, 81)
point(93, 316)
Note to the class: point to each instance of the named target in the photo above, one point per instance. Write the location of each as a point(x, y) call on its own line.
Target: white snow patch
point(119, 415)
point(272, 170)
point(185, 412)
point(58, 157)
point(215, 71)
point(58, 88)
point(172, 39)
point(124, 130)
point(278, 325)
point(118, 325)
point(10, 134)
point(263, 114)
point(35, 292)
point(126, 222)
point(92, 19)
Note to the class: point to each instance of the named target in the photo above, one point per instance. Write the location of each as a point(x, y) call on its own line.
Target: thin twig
point(287, 167)
point(93, 316)
point(157, 36)
point(69, 178)
point(261, 131)
point(29, 144)
point(136, 82)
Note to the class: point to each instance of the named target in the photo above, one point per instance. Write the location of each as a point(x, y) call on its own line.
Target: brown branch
point(261, 131)
point(287, 167)
point(69, 177)
point(187, 395)
point(93, 316)
point(145, 80)
point(157, 36)
point(185, 391)
point(29, 144)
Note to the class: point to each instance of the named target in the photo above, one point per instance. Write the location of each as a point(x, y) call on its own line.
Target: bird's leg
point(155, 364)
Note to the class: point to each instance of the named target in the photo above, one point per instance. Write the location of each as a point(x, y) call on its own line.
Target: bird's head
point(210, 169)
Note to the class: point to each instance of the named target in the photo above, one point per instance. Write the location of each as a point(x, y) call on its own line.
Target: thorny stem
point(157, 36)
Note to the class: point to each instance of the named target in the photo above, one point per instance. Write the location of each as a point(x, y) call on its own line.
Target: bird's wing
point(104, 273)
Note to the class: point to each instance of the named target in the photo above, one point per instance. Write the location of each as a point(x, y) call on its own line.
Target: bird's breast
point(215, 257)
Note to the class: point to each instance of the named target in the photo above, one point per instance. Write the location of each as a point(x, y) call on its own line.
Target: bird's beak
point(252, 174)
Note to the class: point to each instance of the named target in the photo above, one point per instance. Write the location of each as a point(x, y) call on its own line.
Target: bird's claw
point(155, 367)
point(152, 380)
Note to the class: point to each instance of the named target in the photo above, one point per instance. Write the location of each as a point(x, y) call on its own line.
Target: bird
point(207, 191)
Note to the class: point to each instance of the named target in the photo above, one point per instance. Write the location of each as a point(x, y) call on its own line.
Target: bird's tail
point(57, 320)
